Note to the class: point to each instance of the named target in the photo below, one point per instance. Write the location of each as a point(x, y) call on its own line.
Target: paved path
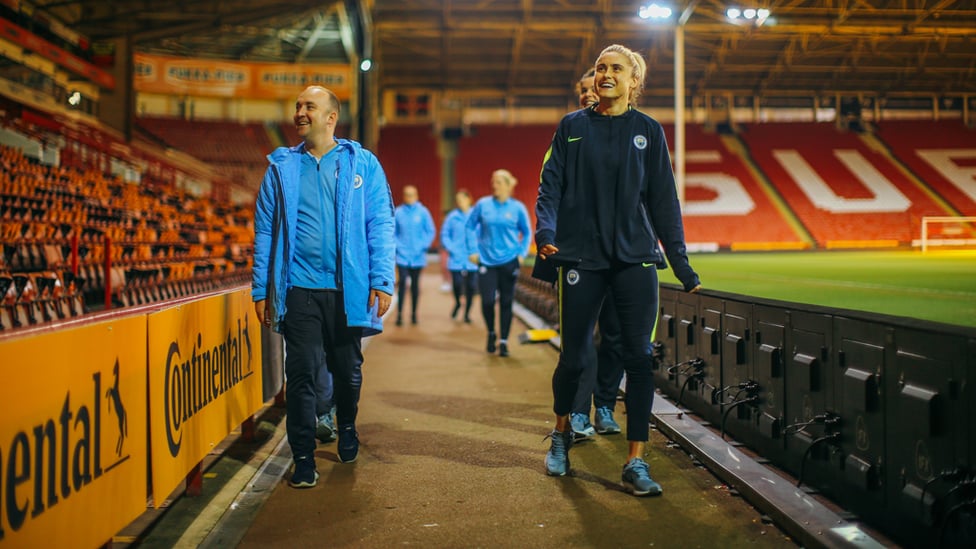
point(452, 456)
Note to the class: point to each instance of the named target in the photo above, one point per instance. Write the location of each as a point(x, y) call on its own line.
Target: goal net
point(948, 233)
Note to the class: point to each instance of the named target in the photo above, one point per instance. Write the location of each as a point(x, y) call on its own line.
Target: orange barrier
point(89, 399)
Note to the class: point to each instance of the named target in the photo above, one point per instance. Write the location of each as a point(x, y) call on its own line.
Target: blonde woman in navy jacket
point(606, 197)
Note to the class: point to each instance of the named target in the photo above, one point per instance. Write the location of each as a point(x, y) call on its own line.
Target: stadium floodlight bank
point(948, 232)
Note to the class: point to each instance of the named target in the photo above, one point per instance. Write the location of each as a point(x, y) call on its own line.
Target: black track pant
point(315, 324)
point(634, 293)
point(601, 375)
point(404, 273)
point(501, 279)
point(465, 283)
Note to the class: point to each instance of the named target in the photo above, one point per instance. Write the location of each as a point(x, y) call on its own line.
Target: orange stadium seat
point(942, 153)
point(841, 189)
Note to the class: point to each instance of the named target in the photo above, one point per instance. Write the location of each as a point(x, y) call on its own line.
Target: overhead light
point(654, 11)
point(74, 99)
point(365, 65)
point(756, 16)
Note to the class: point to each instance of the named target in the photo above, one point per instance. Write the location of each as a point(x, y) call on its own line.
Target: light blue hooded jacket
point(414, 234)
point(364, 215)
point(454, 239)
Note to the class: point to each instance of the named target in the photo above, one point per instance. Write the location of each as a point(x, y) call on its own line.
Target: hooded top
point(364, 218)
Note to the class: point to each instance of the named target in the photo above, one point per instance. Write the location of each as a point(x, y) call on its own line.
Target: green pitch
point(939, 286)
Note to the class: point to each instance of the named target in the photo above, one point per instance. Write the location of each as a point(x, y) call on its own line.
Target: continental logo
point(62, 454)
point(197, 376)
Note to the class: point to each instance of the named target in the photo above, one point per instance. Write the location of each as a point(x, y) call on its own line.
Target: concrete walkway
point(452, 456)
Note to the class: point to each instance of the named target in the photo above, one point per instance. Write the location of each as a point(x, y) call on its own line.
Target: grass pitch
point(939, 286)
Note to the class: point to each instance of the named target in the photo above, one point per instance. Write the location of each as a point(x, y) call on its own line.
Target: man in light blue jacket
point(323, 269)
point(414, 235)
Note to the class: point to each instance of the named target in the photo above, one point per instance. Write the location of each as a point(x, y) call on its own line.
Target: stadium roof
point(533, 50)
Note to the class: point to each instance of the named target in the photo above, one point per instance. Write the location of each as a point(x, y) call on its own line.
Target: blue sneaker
point(603, 421)
point(325, 429)
point(348, 447)
point(304, 475)
point(637, 479)
point(557, 459)
point(581, 426)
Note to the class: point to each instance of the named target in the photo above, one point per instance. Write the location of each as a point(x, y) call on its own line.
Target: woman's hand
point(547, 250)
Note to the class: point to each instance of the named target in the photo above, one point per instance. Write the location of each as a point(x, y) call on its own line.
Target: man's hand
point(384, 299)
point(473, 258)
point(547, 250)
point(264, 315)
point(695, 290)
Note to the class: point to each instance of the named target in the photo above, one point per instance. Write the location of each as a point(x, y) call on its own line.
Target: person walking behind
point(498, 241)
point(414, 234)
point(606, 198)
point(454, 239)
point(323, 269)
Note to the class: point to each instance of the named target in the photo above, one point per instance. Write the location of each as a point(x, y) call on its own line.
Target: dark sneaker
point(503, 348)
point(581, 426)
point(457, 307)
point(557, 459)
point(325, 429)
point(304, 475)
point(413, 319)
point(637, 479)
point(603, 421)
point(490, 347)
point(348, 447)
point(399, 320)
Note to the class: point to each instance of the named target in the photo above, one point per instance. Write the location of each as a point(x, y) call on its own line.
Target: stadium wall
point(873, 411)
point(876, 412)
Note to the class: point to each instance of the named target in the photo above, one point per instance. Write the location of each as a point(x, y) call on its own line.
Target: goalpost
point(948, 232)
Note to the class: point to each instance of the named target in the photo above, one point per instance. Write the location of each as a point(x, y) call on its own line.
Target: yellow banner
point(250, 80)
point(73, 435)
point(204, 381)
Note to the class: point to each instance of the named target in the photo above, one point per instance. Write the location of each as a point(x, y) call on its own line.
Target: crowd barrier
point(99, 411)
point(878, 413)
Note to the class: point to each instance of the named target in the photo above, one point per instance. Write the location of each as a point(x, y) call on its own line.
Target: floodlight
point(762, 13)
point(74, 99)
point(733, 13)
point(654, 11)
point(365, 65)
point(749, 13)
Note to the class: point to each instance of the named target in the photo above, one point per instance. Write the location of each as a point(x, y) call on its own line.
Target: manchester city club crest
point(640, 142)
point(572, 277)
point(357, 181)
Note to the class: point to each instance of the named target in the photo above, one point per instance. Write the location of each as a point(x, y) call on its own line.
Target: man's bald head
point(330, 98)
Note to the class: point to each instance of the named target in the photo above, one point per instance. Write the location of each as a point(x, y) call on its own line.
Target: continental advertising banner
point(73, 435)
point(204, 381)
point(248, 80)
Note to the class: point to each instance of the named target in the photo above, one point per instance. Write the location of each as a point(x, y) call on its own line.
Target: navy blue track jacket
point(607, 194)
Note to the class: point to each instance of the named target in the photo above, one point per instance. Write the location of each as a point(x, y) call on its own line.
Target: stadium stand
point(941, 153)
point(236, 150)
point(518, 149)
point(409, 157)
point(845, 192)
point(724, 204)
point(60, 221)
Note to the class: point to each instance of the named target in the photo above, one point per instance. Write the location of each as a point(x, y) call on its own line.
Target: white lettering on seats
point(887, 197)
point(732, 198)
point(963, 177)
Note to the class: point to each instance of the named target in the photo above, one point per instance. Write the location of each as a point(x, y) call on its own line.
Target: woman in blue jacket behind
point(454, 238)
point(414, 234)
point(606, 198)
point(498, 240)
